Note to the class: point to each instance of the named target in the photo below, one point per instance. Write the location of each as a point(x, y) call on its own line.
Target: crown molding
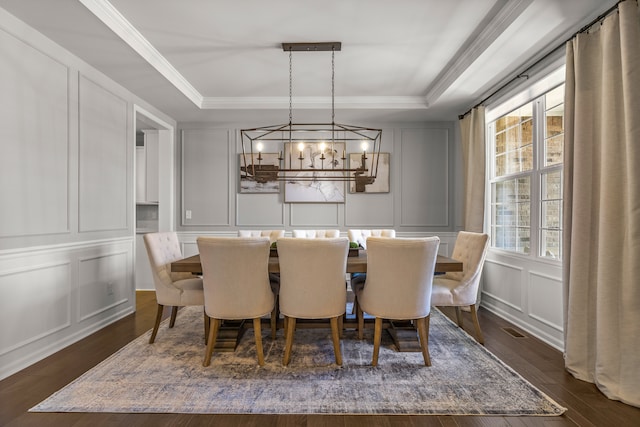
point(113, 19)
point(470, 52)
point(313, 102)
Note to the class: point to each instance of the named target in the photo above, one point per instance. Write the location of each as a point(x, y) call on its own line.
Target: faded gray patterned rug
point(168, 377)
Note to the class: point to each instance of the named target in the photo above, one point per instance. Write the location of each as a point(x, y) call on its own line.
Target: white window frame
point(493, 112)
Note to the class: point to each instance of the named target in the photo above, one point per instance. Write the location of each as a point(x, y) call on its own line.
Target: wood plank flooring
point(537, 362)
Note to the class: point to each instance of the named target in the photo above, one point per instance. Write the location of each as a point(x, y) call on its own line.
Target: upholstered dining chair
point(172, 289)
point(312, 286)
point(460, 289)
point(236, 282)
point(273, 235)
point(398, 286)
point(316, 234)
point(360, 236)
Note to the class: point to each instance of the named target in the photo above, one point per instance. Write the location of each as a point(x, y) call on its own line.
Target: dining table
point(403, 333)
point(355, 264)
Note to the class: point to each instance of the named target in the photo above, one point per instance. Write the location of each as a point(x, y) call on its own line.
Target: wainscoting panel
point(206, 177)
point(369, 210)
point(104, 159)
point(545, 300)
point(502, 282)
point(102, 284)
point(59, 295)
point(34, 107)
point(26, 311)
point(315, 215)
point(425, 177)
point(260, 210)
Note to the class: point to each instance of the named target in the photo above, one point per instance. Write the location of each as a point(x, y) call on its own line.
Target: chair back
point(273, 235)
point(399, 277)
point(316, 234)
point(471, 249)
point(360, 236)
point(312, 277)
point(162, 249)
point(236, 277)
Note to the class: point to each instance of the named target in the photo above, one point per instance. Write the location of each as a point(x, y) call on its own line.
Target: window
point(526, 177)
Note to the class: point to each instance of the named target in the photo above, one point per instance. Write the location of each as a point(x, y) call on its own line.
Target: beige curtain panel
point(602, 205)
point(472, 131)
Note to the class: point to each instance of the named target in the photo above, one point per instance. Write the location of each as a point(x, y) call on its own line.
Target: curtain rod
point(522, 74)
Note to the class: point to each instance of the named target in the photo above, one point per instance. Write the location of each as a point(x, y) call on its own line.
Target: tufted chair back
point(164, 248)
point(316, 234)
point(460, 289)
point(312, 284)
point(273, 235)
point(360, 236)
point(172, 289)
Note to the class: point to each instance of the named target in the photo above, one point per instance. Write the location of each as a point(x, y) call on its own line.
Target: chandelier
point(311, 151)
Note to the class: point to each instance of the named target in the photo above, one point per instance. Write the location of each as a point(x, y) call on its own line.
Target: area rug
point(168, 377)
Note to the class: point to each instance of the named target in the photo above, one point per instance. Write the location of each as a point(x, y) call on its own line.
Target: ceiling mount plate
point(312, 47)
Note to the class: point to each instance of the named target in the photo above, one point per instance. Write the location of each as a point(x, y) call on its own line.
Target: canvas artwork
point(361, 184)
point(310, 189)
point(264, 182)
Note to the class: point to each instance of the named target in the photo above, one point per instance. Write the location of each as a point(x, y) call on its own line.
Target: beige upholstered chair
point(460, 289)
point(360, 236)
point(312, 285)
point(316, 234)
point(172, 289)
point(236, 284)
point(398, 286)
point(273, 235)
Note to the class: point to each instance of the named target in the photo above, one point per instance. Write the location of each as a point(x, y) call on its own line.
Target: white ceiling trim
point(113, 19)
point(463, 59)
point(312, 102)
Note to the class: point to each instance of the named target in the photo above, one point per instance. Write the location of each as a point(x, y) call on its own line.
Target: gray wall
point(67, 197)
point(424, 196)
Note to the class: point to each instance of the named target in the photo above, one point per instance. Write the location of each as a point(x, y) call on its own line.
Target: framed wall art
point(265, 181)
point(381, 183)
point(313, 184)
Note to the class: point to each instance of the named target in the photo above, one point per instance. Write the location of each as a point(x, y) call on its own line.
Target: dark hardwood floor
point(534, 360)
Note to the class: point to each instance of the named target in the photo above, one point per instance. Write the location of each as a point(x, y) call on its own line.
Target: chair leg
point(377, 337)
point(207, 326)
point(335, 336)
point(257, 332)
point(341, 326)
point(423, 334)
point(174, 313)
point(360, 317)
point(213, 334)
point(474, 317)
point(275, 313)
point(459, 317)
point(290, 328)
point(157, 324)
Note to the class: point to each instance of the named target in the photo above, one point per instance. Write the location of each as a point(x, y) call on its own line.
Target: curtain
point(601, 262)
point(472, 130)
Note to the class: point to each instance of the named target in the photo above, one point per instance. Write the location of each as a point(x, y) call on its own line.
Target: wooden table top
point(355, 264)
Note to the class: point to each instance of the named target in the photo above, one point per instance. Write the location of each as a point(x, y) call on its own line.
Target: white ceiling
point(222, 60)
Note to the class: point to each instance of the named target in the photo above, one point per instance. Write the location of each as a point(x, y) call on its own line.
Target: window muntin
point(526, 184)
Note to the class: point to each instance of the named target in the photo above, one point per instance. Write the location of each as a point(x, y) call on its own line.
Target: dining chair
point(312, 285)
point(460, 289)
point(236, 284)
point(360, 236)
point(172, 289)
point(316, 234)
point(398, 286)
point(273, 235)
